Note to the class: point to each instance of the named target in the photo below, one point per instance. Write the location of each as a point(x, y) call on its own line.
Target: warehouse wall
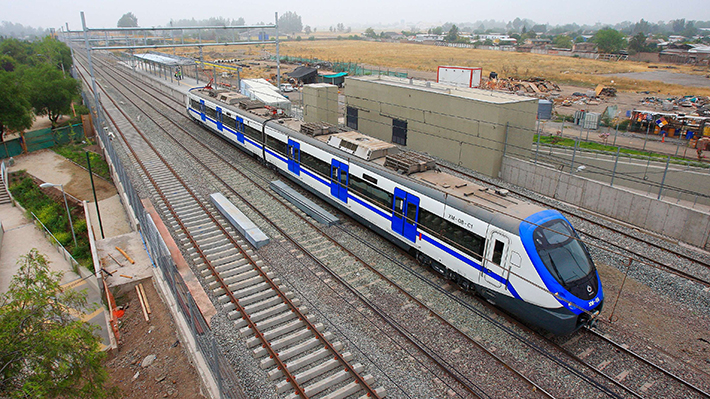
point(320, 103)
point(461, 130)
point(675, 221)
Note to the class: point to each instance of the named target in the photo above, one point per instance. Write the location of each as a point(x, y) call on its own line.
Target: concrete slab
point(113, 217)
point(132, 244)
point(239, 220)
point(193, 285)
point(657, 215)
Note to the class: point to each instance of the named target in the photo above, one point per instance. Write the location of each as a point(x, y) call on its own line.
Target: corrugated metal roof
point(165, 59)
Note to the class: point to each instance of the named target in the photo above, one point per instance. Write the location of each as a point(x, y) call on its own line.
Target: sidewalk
point(20, 236)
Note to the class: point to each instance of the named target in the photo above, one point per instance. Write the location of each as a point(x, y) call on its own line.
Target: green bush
point(80, 226)
point(64, 237)
point(624, 125)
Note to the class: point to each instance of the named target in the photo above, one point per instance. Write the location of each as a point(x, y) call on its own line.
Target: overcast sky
point(105, 13)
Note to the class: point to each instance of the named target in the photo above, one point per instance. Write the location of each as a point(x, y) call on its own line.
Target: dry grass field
point(563, 70)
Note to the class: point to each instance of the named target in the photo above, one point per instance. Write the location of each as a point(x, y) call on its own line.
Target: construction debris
point(532, 86)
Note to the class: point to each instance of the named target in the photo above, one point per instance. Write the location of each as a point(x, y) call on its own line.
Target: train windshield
point(564, 256)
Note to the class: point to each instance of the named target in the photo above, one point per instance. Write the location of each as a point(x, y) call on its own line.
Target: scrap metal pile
point(686, 104)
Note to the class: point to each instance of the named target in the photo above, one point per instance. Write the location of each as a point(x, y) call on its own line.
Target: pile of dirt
point(150, 361)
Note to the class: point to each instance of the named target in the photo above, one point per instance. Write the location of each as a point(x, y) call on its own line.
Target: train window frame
point(369, 191)
point(315, 164)
point(277, 145)
point(498, 251)
point(470, 243)
point(252, 133)
point(210, 113)
point(194, 104)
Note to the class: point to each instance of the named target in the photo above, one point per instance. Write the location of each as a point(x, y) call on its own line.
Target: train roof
point(493, 206)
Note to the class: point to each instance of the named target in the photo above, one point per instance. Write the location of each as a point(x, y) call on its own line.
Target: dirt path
point(50, 167)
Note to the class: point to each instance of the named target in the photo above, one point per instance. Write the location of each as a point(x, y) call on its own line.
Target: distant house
point(393, 35)
point(428, 37)
point(676, 38)
point(586, 47)
point(686, 54)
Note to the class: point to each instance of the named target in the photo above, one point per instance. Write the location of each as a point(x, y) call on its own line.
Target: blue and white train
point(521, 257)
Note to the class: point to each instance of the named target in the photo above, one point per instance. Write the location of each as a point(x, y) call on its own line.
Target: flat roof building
point(465, 126)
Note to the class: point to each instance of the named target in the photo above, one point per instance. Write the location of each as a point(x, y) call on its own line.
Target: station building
point(469, 127)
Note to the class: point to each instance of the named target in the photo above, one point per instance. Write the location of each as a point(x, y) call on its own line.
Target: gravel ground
point(386, 363)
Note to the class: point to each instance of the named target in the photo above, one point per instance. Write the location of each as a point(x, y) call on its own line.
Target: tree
point(437, 31)
point(45, 352)
point(453, 34)
point(637, 43)
point(609, 40)
point(562, 41)
point(15, 110)
point(369, 32)
point(290, 22)
point(307, 30)
point(49, 92)
point(128, 20)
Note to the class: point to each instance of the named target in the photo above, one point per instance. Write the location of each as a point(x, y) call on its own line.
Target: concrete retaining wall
point(684, 224)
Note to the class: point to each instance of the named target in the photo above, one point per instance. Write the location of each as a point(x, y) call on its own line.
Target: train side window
point(252, 133)
point(276, 145)
point(515, 259)
point(228, 121)
point(319, 167)
point(498, 252)
point(456, 236)
point(378, 196)
point(210, 112)
point(194, 104)
point(412, 213)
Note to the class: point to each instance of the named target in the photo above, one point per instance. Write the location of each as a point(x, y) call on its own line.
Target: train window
point(276, 145)
point(195, 104)
point(467, 241)
point(498, 252)
point(378, 196)
point(252, 133)
point(319, 167)
point(412, 212)
point(228, 121)
point(210, 112)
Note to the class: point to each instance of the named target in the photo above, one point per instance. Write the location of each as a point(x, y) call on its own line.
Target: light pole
point(47, 185)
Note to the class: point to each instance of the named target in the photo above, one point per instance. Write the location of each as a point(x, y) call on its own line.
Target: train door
point(406, 214)
point(495, 265)
point(294, 157)
point(339, 175)
point(218, 118)
point(239, 128)
point(202, 111)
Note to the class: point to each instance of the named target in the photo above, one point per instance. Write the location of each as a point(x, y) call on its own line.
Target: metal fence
point(159, 254)
point(666, 177)
point(43, 138)
point(352, 68)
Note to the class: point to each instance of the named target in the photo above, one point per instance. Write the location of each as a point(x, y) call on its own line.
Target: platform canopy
point(165, 59)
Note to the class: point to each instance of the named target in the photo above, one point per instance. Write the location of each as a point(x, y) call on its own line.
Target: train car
point(523, 258)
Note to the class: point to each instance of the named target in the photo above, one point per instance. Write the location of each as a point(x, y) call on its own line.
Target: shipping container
point(459, 76)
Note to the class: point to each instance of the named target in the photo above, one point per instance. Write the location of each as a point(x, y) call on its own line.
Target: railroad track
point(288, 341)
point(357, 270)
point(311, 242)
point(318, 246)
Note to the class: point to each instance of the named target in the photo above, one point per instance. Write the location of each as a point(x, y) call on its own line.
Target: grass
point(54, 216)
point(594, 146)
point(76, 153)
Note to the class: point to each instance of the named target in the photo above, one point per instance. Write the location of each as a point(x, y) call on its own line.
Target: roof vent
point(409, 162)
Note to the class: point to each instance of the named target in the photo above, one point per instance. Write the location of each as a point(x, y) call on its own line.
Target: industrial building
point(469, 127)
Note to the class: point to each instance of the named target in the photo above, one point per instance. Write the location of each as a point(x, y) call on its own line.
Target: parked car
point(286, 88)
